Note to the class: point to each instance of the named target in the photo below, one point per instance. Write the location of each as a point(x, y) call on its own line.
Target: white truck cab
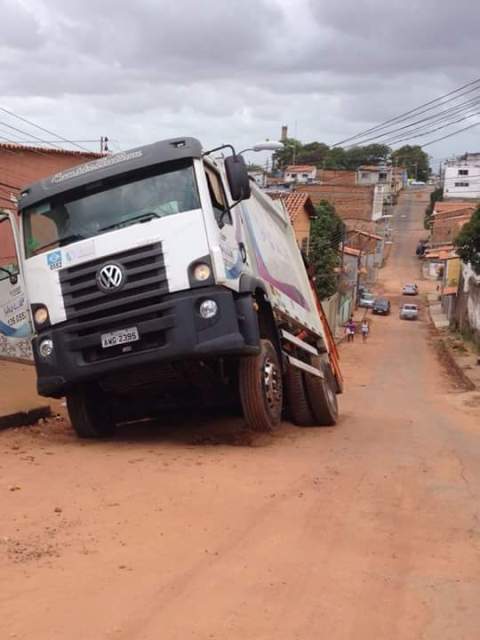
point(162, 275)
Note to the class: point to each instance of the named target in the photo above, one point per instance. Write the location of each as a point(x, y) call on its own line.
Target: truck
point(161, 277)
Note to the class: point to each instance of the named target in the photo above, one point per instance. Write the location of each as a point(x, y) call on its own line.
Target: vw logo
point(110, 277)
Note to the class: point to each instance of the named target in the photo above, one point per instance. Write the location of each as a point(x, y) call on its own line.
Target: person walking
point(350, 330)
point(365, 328)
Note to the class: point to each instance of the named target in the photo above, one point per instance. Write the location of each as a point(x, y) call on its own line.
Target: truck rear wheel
point(90, 414)
point(322, 398)
point(261, 389)
point(297, 400)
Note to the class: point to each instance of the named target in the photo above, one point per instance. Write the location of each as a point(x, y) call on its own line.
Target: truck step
point(299, 343)
point(294, 362)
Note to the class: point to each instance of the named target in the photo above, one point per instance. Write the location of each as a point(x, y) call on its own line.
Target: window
point(462, 184)
point(463, 172)
point(121, 201)
point(8, 253)
point(217, 195)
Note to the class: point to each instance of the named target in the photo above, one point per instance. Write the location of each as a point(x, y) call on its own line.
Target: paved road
point(369, 530)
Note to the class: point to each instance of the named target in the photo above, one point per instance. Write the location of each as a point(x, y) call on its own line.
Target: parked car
point(409, 312)
point(410, 289)
point(366, 300)
point(381, 307)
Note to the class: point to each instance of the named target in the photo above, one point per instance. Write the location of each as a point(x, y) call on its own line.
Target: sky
point(230, 71)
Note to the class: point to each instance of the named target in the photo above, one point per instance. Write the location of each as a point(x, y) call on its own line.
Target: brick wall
point(334, 176)
point(19, 166)
point(352, 202)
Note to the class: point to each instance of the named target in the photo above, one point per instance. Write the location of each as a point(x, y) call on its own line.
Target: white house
point(462, 177)
point(300, 174)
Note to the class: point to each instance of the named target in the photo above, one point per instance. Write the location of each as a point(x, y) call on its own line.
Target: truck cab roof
point(108, 166)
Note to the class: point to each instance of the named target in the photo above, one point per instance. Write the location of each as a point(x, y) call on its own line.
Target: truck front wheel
point(90, 413)
point(261, 390)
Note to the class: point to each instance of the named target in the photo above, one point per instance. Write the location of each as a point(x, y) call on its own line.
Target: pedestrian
point(365, 330)
point(350, 330)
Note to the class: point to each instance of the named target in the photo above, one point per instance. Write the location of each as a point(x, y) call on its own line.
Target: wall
point(467, 309)
point(452, 178)
point(301, 226)
point(337, 176)
point(351, 202)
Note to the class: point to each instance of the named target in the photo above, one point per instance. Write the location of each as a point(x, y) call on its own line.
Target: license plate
point(122, 336)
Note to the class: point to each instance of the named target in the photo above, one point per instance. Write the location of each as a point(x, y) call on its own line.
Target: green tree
point(368, 154)
point(415, 160)
point(435, 196)
point(313, 153)
point(326, 233)
point(468, 242)
point(287, 155)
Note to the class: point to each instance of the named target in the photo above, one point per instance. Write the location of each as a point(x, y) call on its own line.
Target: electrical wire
point(475, 84)
point(52, 133)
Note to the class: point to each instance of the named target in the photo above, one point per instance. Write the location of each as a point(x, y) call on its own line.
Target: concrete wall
point(467, 308)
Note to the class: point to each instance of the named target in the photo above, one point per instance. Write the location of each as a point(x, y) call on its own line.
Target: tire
point(90, 414)
point(261, 388)
point(321, 393)
point(297, 401)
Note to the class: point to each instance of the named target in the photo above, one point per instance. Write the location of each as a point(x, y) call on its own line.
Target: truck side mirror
point(237, 176)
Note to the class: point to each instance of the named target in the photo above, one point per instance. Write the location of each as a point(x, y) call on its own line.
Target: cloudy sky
point(231, 70)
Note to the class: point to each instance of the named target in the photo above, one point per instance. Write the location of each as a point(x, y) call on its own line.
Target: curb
point(25, 418)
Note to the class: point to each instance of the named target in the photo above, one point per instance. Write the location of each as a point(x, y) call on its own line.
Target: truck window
point(8, 253)
point(217, 195)
point(96, 208)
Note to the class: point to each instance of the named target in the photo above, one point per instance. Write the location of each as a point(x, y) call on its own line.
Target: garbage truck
point(163, 276)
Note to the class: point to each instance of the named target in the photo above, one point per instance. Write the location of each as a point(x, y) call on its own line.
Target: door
point(230, 245)
point(15, 324)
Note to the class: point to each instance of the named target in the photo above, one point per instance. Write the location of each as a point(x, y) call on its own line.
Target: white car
point(366, 300)
point(409, 312)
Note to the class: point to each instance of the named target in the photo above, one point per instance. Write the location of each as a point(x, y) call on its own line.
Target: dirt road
point(369, 530)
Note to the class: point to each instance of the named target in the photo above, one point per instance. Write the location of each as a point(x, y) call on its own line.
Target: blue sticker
point(54, 260)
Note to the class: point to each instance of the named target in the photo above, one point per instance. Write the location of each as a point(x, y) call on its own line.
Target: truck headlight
point(208, 309)
point(40, 316)
point(201, 272)
point(45, 348)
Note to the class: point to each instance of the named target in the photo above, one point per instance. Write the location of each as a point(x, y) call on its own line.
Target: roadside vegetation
point(326, 235)
point(468, 242)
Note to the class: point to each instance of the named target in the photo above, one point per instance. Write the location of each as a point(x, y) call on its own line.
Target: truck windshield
point(102, 206)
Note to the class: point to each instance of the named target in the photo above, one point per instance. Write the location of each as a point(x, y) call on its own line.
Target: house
point(301, 211)
point(20, 165)
point(448, 218)
point(371, 246)
point(374, 174)
point(299, 174)
point(462, 177)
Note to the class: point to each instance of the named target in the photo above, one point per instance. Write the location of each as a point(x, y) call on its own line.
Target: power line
point(454, 133)
point(33, 136)
point(52, 133)
point(416, 110)
point(446, 114)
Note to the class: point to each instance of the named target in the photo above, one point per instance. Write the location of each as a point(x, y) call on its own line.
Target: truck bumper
point(172, 330)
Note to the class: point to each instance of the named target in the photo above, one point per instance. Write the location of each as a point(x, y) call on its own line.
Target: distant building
point(462, 177)
point(447, 220)
point(336, 176)
point(300, 174)
point(301, 211)
point(353, 203)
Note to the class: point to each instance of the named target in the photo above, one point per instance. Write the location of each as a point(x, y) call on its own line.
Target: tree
point(251, 166)
point(326, 233)
point(369, 154)
point(287, 155)
point(415, 160)
point(313, 153)
point(468, 242)
point(435, 196)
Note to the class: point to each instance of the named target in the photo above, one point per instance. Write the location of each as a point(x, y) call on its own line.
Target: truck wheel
point(322, 397)
point(89, 413)
point(297, 399)
point(261, 389)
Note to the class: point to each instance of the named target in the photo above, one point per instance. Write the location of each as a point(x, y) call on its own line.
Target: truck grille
point(139, 302)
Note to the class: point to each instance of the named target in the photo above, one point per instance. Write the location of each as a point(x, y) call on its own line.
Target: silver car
point(410, 290)
point(409, 312)
point(366, 300)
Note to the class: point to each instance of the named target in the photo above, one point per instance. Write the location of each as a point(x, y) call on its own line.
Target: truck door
point(15, 324)
point(229, 243)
